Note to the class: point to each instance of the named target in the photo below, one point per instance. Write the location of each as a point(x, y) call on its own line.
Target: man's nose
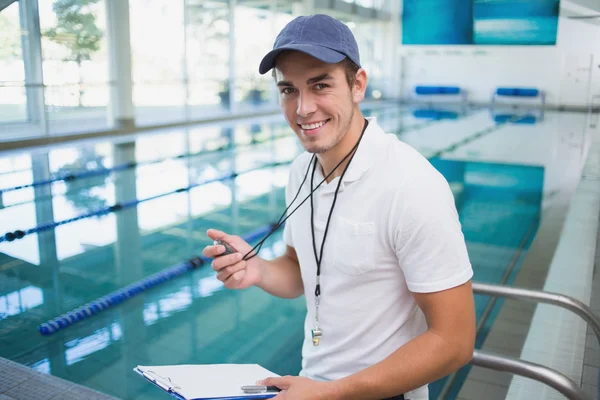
point(306, 105)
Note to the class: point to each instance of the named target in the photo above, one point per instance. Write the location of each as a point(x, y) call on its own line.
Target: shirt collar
point(362, 160)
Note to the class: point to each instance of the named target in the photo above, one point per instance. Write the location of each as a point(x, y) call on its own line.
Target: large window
point(371, 46)
point(208, 30)
point(190, 60)
point(13, 100)
point(75, 64)
point(158, 57)
point(254, 37)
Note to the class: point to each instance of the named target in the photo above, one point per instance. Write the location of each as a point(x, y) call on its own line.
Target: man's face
point(315, 98)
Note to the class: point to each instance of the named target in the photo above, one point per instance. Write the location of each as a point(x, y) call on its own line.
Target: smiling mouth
point(312, 127)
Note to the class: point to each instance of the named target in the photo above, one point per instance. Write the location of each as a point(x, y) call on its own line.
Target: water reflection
point(81, 193)
point(77, 350)
point(20, 300)
point(168, 305)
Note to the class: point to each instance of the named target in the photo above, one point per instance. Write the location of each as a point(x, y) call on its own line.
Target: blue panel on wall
point(437, 22)
point(516, 22)
point(480, 22)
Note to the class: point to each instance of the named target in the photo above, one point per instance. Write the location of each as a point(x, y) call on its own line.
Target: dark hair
point(350, 69)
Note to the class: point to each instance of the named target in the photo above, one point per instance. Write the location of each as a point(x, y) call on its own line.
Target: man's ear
point(360, 86)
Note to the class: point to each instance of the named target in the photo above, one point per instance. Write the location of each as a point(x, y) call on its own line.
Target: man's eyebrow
point(321, 77)
point(315, 79)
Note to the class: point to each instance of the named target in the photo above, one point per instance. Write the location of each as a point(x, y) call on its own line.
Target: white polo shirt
point(394, 230)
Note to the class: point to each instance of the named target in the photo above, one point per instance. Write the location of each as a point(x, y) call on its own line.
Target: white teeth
point(313, 126)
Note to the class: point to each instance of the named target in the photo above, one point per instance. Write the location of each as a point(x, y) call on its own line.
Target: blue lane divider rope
point(132, 164)
point(119, 296)
point(19, 234)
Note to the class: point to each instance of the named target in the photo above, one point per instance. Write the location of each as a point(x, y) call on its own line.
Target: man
point(378, 250)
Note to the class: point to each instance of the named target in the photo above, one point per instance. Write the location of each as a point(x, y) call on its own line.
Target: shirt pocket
point(354, 246)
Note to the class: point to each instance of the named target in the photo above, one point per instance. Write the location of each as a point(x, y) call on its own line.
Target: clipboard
point(207, 381)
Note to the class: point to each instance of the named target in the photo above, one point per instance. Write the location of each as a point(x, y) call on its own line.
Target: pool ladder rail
point(540, 373)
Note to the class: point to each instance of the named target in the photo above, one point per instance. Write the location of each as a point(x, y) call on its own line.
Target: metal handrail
point(538, 372)
point(524, 368)
point(537, 296)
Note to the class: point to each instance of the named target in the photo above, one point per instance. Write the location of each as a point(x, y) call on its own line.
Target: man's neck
point(332, 157)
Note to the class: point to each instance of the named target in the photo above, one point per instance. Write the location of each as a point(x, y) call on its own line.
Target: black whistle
point(228, 249)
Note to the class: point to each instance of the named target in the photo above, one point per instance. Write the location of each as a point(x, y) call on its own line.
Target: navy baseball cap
point(320, 36)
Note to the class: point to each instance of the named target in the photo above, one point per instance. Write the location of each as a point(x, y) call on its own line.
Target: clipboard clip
point(260, 389)
point(163, 382)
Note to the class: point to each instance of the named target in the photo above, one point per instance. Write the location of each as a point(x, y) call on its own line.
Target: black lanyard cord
point(281, 222)
point(319, 258)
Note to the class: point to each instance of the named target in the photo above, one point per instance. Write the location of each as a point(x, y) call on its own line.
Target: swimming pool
point(193, 319)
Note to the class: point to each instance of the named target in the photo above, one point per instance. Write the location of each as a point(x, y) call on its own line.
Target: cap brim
point(319, 52)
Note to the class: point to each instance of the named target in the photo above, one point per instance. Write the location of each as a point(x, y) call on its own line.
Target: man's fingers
point(234, 242)
point(213, 251)
point(235, 278)
point(225, 261)
point(226, 273)
point(215, 234)
point(282, 383)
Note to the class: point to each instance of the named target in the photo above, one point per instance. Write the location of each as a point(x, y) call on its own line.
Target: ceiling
point(5, 3)
point(584, 10)
point(592, 5)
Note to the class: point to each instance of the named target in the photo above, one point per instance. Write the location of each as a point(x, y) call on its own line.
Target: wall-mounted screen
point(480, 22)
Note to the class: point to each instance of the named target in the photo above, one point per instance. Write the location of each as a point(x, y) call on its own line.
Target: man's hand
point(234, 272)
point(280, 277)
point(300, 388)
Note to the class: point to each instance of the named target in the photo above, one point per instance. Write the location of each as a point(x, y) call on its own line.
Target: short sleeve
point(429, 241)
point(287, 234)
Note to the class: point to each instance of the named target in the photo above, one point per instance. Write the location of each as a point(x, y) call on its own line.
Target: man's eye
point(287, 90)
point(320, 86)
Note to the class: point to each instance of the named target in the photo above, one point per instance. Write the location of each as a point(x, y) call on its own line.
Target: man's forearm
point(424, 359)
point(281, 277)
